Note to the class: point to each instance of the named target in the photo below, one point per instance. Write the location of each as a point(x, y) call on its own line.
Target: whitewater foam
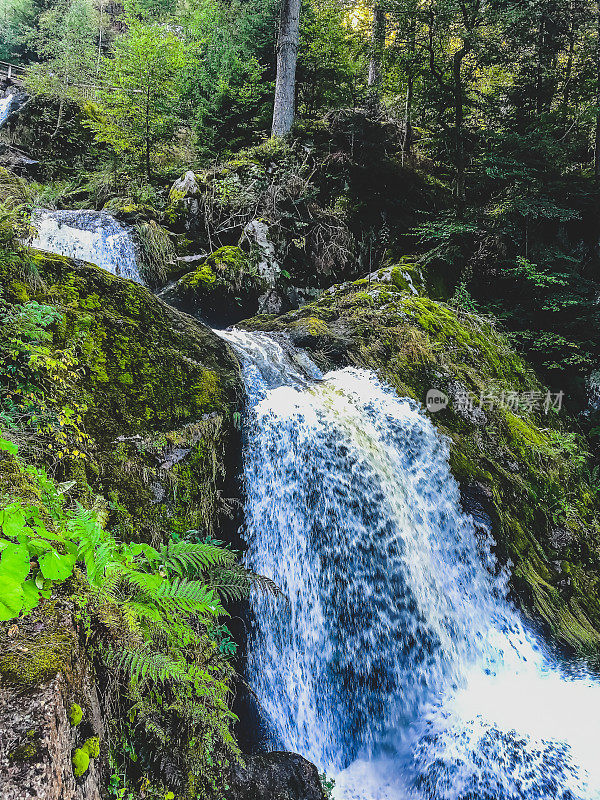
point(93, 236)
point(398, 664)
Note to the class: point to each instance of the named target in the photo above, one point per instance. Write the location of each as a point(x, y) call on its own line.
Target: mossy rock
point(532, 464)
point(222, 289)
point(41, 649)
point(147, 374)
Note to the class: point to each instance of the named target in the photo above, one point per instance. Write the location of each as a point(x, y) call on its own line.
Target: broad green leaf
point(11, 598)
point(56, 567)
point(38, 546)
point(13, 520)
point(44, 533)
point(14, 564)
point(31, 596)
point(9, 447)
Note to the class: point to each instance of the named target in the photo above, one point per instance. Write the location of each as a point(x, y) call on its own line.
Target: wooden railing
point(12, 71)
point(78, 91)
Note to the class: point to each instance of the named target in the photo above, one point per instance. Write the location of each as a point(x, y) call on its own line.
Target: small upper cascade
point(5, 107)
point(93, 236)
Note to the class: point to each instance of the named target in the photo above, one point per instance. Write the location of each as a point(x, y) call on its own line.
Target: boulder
point(275, 776)
point(222, 289)
point(157, 391)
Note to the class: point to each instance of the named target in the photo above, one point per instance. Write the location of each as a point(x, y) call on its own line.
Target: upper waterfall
point(5, 107)
point(93, 236)
point(398, 663)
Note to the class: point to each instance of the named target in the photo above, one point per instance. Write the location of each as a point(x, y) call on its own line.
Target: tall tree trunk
point(410, 87)
point(287, 56)
point(569, 67)
point(597, 147)
point(457, 61)
point(377, 45)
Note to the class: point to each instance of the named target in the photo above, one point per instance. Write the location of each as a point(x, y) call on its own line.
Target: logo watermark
point(467, 402)
point(436, 400)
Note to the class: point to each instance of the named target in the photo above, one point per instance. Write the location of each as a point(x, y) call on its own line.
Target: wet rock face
point(43, 675)
point(276, 776)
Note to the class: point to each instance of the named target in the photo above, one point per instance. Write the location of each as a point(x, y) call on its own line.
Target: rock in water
point(276, 776)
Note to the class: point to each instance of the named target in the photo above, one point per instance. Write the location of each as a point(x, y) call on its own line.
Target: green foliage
point(138, 111)
point(153, 613)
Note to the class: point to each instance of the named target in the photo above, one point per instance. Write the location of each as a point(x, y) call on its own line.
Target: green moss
point(92, 747)
point(75, 714)
point(202, 278)
point(32, 660)
point(29, 750)
point(81, 762)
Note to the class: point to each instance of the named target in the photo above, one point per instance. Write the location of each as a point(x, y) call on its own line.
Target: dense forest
point(402, 195)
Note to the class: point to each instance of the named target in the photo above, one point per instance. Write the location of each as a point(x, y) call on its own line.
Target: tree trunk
point(458, 121)
point(377, 45)
point(597, 147)
point(147, 147)
point(410, 85)
point(287, 56)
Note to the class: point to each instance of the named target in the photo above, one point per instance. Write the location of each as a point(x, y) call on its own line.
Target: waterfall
point(5, 108)
point(93, 236)
point(396, 664)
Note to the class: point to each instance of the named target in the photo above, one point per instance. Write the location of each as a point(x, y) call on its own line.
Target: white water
point(398, 665)
point(93, 236)
point(5, 106)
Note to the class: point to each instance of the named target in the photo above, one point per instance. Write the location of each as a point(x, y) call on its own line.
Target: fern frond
point(181, 557)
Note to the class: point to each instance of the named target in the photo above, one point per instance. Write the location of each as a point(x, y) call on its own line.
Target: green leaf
point(31, 596)
point(11, 599)
point(13, 520)
point(8, 447)
point(14, 564)
point(56, 567)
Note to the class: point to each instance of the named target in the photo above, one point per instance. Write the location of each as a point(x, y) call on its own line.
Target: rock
point(42, 674)
point(185, 186)
point(256, 233)
point(183, 208)
point(17, 161)
point(275, 776)
point(154, 382)
point(222, 289)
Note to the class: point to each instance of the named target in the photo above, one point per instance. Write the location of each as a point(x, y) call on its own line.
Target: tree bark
point(459, 120)
point(377, 45)
point(597, 137)
point(287, 56)
point(410, 84)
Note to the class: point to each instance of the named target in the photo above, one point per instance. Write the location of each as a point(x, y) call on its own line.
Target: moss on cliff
point(533, 466)
point(143, 373)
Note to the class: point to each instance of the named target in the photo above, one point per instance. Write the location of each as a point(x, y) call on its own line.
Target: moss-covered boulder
point(157, 394)
point(223, 288)
point(530, 465)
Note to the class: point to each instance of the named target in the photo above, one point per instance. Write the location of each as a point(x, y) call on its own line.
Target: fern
point(181, 557)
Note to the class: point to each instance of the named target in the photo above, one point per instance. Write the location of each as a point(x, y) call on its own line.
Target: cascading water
point(93, 236)
point(397, 664)
point(5, 108)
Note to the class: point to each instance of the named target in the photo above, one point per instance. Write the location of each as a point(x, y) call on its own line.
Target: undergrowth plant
point(150, 617)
